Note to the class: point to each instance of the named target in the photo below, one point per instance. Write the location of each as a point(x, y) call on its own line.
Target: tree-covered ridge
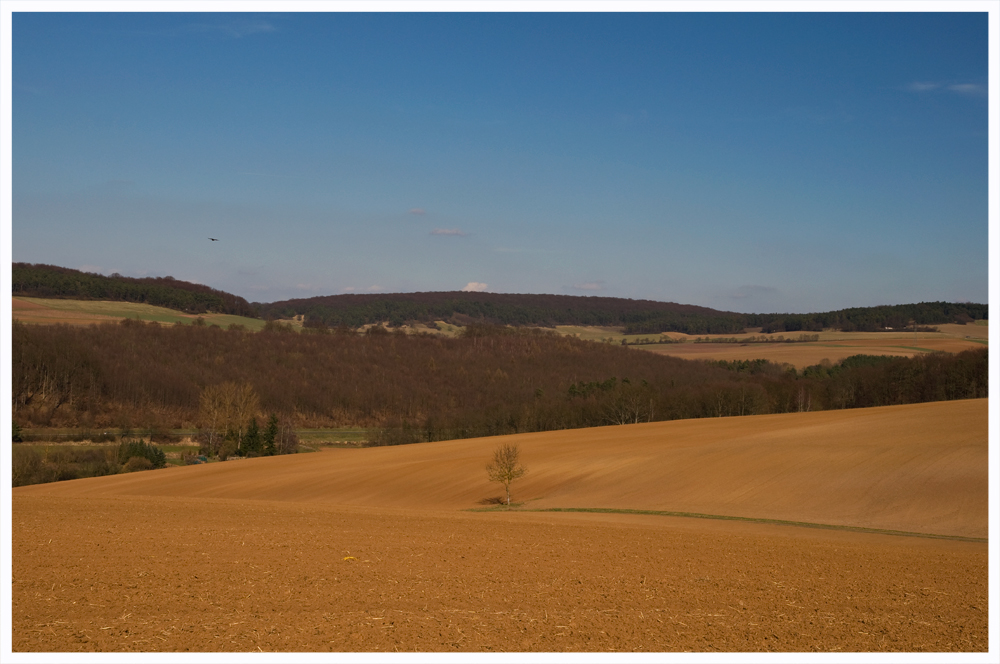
point(37, 280)
point(873, 319)
point(636, 316)
point(519, 310)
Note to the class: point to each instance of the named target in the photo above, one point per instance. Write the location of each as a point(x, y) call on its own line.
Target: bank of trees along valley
point(411, 388)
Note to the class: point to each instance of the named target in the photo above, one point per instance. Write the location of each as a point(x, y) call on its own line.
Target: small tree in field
point(506, 466)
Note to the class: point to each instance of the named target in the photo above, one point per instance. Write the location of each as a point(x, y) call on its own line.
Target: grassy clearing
point(340, 437)
point(775, 522)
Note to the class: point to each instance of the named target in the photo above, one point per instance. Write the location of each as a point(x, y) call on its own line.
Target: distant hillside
point(503, 309)
point(37, 280)
point(463, 308)
point(636, 316)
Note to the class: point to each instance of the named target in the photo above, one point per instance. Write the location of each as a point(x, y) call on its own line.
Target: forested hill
point(503, 309)
point(36, 280)
point(519, 310)
point(636, 316)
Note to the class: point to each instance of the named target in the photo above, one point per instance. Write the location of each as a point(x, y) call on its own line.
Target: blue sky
point(746, 162)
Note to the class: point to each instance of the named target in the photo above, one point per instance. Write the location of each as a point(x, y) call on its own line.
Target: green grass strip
point(776, 522)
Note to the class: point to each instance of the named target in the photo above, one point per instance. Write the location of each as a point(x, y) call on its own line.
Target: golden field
point(383, 549)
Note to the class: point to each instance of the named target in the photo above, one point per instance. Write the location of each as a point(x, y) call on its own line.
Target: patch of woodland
point(414, 388)
point(50, 281)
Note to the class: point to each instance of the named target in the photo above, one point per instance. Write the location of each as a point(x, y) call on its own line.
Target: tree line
point(420, 387)
point(37, 280)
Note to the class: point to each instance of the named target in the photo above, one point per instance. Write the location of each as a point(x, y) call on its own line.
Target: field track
point(374, 549)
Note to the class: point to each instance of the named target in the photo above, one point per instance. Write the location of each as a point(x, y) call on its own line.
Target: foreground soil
point(144, 574)
point(322, 552)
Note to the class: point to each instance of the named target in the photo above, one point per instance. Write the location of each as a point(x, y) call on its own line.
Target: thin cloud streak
point(970, 89)
point(235, 29)
point(448, 231)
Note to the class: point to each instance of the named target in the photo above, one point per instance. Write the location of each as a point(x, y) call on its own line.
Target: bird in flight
point(214, 239)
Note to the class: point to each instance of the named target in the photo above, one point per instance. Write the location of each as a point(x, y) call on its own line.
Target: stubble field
point(376, 549)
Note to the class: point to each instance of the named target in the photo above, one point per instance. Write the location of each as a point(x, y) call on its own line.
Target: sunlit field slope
point(45, 311)
point(917, 468)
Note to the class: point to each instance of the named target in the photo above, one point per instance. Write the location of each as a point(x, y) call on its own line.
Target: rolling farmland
point(381, 549)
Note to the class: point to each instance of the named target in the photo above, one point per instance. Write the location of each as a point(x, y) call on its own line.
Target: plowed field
point(375, 549)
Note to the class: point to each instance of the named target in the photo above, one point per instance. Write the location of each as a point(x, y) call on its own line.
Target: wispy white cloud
point(447, 231)
point(93, 269)
point(969, 89)
point(475, 287)
point(418, 211)
point(370, 289)
point(589, 286)
point(235, 29)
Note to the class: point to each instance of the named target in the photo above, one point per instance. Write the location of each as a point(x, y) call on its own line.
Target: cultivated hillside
point(918, 468)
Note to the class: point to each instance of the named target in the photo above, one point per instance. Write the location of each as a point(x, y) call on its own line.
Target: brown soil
point(371, 549)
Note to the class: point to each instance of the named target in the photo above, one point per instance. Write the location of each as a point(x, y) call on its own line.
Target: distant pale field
point(375, 550)
point(832, 345)
point(801, 355)
point(85, 312)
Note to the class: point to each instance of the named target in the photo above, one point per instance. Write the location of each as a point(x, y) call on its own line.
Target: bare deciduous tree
point(506, 466)
point(228, 408)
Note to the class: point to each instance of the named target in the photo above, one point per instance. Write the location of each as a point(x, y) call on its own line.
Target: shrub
point(228, 448)
point(137, 463)
point(25, 464)
point(128, 449)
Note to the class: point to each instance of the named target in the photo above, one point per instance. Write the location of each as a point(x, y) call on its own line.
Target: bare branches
point(228, 407)
point(506, 466)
